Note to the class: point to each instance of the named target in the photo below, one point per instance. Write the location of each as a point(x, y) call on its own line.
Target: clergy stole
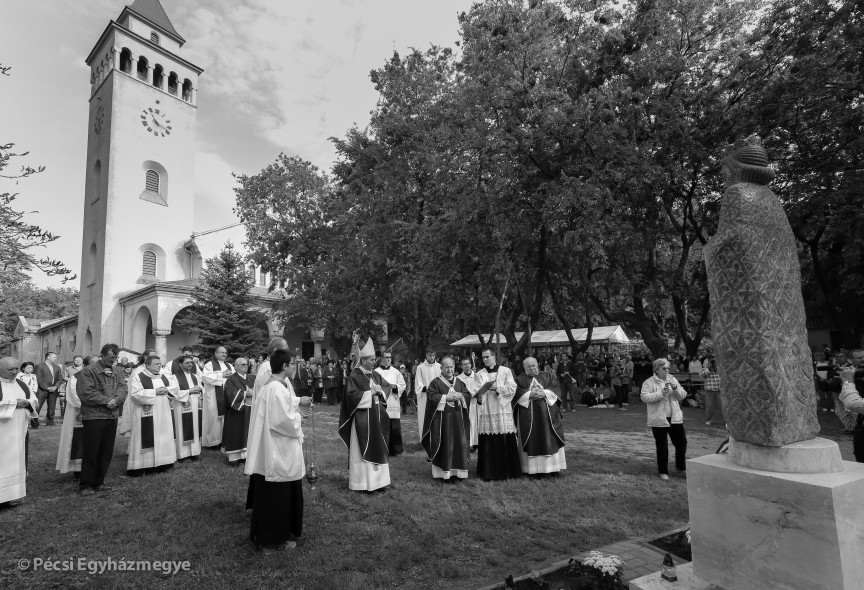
point(220, 390)
point(186, 409)
point(147, 435)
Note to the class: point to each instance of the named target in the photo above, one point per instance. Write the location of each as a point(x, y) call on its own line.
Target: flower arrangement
point(606, 565)
point(688, 536)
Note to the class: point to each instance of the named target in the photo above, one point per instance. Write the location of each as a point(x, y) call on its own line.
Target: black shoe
point(49, 423)
point(34, 424)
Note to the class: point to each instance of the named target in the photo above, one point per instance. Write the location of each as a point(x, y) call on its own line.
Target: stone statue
point(757, 312)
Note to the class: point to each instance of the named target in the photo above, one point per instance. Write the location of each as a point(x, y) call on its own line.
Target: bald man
point(18, 405)
point(537, 414)
point(216, 372)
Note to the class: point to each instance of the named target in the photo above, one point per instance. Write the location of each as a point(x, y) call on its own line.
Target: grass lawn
point(420, 534)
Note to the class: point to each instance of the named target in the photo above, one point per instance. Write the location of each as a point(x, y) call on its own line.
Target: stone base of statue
point(757, 528)
point(687, 580)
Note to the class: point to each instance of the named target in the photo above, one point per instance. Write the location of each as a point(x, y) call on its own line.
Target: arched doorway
point(179, 336)
point(142, 330)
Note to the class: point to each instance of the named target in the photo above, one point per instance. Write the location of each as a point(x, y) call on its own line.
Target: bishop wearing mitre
point(364, 425)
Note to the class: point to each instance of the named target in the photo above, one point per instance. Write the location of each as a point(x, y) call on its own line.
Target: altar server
point(364, 425)
point(17, 407)
point(392, 375)
point(497, 447)
point(186, 410)
point(539, 427)
point(216, 371)
point(472, 382)
point(151, 444)
point(275, 462)
point(426, 372)
point(447, 429)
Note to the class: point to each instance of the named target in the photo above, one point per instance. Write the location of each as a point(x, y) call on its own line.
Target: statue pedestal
point(763, 529)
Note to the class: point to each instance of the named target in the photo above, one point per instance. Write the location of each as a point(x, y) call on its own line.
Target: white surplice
point(211, 435)
point(541, 463)
point(425, 374)
point(13, 434)
point(145, 403)
point(70, 421)
point(275, 447)
point(393, 377)
point(473, 383)
point(186, 403)
point(495, 415)
point(124, 424)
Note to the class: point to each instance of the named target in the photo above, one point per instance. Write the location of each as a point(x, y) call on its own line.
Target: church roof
point(152, 11)
point(188, 285)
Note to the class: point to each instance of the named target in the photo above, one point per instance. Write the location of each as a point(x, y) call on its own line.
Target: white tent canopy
point(600, 335)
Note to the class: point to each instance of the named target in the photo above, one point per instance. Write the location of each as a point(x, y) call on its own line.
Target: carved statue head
point(747, 161)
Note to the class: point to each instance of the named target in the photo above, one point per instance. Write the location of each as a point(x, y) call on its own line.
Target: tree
point(809, 113)
point(221, 313)
point(25, 299)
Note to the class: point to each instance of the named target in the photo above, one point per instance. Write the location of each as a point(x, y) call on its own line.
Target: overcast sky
point(279, 75)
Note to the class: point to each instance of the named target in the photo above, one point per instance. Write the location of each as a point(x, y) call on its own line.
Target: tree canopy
point(562, 162)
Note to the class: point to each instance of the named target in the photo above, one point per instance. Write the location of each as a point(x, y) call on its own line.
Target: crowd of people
point(249, 409)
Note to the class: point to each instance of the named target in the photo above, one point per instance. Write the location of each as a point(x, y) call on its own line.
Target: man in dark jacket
point(49, 377)
point(102, 389)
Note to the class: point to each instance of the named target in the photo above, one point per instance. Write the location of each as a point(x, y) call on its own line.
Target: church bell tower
point(139, 193)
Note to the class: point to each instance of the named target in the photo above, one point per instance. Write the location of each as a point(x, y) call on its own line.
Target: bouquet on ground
point(604, 570)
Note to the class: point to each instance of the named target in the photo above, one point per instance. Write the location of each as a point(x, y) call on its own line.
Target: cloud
point(297, 73)
point(214, 192)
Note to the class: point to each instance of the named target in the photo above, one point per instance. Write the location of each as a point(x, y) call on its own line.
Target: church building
point(140, 255)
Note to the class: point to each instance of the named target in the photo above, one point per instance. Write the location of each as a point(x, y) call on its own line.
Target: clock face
point(99, 119)
point(155, 120)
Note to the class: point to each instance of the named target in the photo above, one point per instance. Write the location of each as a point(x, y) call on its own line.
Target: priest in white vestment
point(426, 372)
point(364, 424)
point(124, 424)
point(72, 433)
point(186, 410)
point(216, 371)
point(539, 424)
point(17, 407)
point(472, 382)
point(275, 461)
point(394, 408)
point(151, 443)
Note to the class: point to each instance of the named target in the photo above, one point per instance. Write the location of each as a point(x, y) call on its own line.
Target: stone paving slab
point(644, 559)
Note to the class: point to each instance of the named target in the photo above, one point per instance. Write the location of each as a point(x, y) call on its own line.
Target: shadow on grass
point(422, 534)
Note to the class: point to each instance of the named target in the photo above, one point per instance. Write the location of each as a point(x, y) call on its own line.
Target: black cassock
point(373, 425)
point(235, 431)
point(540, 427)
point(446, 434)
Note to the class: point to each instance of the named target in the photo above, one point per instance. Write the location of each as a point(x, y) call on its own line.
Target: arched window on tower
point(187, 90)
point(142, 68)
point(148, 264)
point(151, 181)
point(126, 61)
point(155, 38)
point(158, 76)
point(172, 83)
